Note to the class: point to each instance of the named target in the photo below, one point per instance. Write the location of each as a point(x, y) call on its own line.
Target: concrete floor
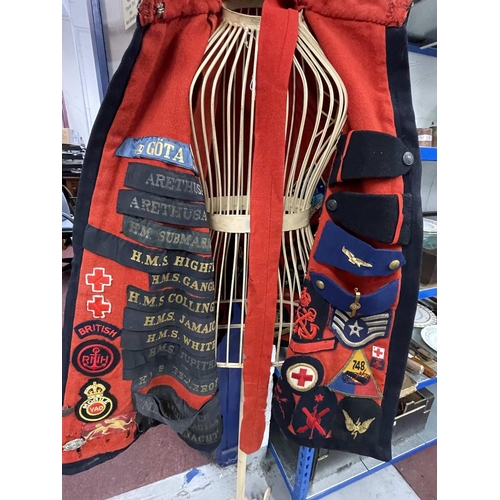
point(213, 483)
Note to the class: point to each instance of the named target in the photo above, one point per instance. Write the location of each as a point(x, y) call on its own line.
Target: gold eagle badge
point(354, 260)
point(358, 427)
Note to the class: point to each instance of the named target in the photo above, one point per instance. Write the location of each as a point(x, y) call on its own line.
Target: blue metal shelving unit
point(428, 292)
point(300, 487)
point(300, 493)
point(429, 51)
point(428, 154)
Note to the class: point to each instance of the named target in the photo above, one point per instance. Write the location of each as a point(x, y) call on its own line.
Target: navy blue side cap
point(340, 249)
point(373, 303)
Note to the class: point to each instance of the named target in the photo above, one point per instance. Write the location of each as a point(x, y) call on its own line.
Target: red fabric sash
point(277, 41)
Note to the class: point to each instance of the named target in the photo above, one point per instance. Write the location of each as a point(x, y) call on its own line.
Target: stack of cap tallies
point(139, 330)
point(340, 383)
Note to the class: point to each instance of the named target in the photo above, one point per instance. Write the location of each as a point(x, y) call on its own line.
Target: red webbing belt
point(277, 41)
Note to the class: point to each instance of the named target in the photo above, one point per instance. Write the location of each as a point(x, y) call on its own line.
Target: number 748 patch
point(356, 378)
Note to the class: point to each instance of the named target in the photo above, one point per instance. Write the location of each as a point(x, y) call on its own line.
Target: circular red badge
point(95, 409)
point(95, 357)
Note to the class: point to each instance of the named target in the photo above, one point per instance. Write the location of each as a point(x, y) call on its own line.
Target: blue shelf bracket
point(303, 473)
point(428, 154)
point(427, 292)
point(425, 51)
point(427, 383)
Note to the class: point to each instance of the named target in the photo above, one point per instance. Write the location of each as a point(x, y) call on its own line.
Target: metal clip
point(75, 444)
point(355, 305)
point(67, 410)
point(160, 9)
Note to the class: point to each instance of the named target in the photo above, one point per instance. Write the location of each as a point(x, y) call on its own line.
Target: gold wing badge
point(356, 428)
point(354, 260)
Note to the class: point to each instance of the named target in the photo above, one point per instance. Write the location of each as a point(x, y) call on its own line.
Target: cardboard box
point(70, 136)
point(409, 386)
point(413, 413)
point(428, 275)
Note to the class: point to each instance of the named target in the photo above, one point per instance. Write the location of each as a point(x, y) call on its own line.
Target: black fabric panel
point(400, 88)
point(373, 216)
point(145, 300)
point(371, 154)
point(162, 182)
point(161, 209)
point(90, 168)
point(338, 155)
point(166, 407)
point(148, 260)
point(355, 446)
point(168, 237)
point(146, 321)
point(133, 340)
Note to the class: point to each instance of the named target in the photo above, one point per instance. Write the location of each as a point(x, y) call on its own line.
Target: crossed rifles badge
point(313, 416)
point(313, 419)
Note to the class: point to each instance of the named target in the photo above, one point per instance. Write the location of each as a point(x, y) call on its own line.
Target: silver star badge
point(355, 329)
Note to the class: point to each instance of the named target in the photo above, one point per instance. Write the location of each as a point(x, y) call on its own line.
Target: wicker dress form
point(223, 120)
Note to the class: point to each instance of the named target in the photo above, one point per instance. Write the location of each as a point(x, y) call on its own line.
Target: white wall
point(79, 79)
point(117, 37)
point(423, 77)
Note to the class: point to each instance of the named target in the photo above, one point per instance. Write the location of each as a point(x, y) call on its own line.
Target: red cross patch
point(378, 364)
point(302, 377)
point(98, 306)
point(378, 352)
point(98, 279)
